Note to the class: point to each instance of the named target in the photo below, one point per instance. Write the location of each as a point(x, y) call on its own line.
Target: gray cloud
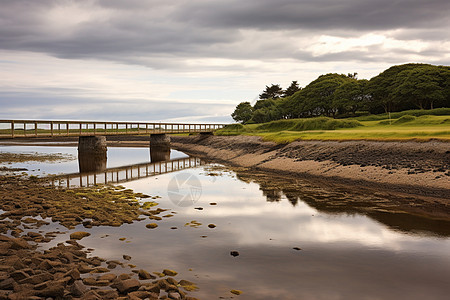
point(41, 105)
point(161, 35)
point(317, 14)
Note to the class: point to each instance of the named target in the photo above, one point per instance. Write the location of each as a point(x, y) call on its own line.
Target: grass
point(404, 127)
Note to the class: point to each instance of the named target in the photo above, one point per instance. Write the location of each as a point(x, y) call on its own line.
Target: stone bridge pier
point(92, 153)
point(159, 147)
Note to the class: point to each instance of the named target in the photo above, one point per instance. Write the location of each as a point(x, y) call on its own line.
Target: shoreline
point(410, 168)
point(405, 167)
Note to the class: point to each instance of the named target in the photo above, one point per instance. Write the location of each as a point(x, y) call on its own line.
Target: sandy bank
point(420, 168)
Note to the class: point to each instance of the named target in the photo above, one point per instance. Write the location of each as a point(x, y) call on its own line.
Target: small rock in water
point(198, 208)
point(213, 203)
point(169, 272)
point(145, 275)
point(79, 235)
point(236, 292)
point(297, 248)
point(211, 226)
point(174, 227)
point(126, 257)
point(234, 253)
point(151, 225)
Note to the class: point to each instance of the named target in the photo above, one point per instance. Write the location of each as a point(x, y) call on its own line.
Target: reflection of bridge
point(125, 173)
point(39, 128)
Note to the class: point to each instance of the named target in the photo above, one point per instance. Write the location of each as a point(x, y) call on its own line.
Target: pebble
point(151, 225)
point(234, 253)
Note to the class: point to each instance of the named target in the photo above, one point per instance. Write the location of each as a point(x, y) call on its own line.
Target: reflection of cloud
point(343, 256)
point(254, 220)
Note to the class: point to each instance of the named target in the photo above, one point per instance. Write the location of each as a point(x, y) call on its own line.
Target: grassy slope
point(403, 127)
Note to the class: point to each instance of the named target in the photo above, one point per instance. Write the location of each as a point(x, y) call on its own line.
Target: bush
point(416, 112)
point(404, 119)
point(319, 123)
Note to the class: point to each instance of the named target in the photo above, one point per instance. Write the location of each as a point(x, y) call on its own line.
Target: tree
point(317, 98)
point(264, 103)
point(292, 89)
point(410, 86)
point(272, 92)
point(351, 96)
point(421, 86)
point(243, 112)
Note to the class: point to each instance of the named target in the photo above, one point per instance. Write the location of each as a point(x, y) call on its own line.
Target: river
point(290, 239)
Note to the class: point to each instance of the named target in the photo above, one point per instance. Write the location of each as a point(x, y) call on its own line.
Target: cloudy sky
point(195, 60)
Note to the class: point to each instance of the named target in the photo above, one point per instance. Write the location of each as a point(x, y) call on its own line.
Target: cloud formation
point(222, 40)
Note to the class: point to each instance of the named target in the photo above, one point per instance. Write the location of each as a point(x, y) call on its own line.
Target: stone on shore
point(78, 235)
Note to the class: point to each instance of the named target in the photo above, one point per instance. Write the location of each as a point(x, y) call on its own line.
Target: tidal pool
point(295, 239)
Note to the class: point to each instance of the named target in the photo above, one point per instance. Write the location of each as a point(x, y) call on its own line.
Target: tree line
point(403, 87)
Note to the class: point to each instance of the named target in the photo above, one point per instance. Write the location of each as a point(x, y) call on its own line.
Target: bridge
point(40, 128)
point(92, 135)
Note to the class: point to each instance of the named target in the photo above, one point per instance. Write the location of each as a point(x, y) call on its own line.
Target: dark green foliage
point(243, 112)
point(410, 86)
point(399, 88)
point(318, 98)
point(292, 89)
point(272, 92)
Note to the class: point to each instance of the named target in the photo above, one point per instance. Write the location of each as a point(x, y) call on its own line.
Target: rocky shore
point(415, 168)
point(69, 270)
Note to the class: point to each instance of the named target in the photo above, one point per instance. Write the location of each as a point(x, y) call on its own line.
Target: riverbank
point(418, 168)
point(32, 270)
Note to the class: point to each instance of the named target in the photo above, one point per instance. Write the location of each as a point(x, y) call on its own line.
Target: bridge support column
point(159, 139)
point(159, 147)
point(92, 153)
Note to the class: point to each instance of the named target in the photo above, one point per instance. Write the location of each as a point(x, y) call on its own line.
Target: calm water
point(349, 250)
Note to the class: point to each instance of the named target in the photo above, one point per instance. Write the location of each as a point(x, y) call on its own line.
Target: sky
point(195, 60)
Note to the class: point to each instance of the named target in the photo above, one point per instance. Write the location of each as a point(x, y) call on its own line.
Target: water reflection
point(392, 211)
point(345, 253)
point(122, 174)
point(355, 245)
point(96, 161)
point(88, 162)
point(159, 153)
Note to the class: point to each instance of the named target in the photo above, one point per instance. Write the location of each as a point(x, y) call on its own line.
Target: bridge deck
point(39, 128)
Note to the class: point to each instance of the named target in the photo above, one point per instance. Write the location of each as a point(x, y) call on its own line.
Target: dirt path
point(420, 168)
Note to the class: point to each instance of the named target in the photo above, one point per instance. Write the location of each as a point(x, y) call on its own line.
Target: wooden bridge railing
point(39, 128)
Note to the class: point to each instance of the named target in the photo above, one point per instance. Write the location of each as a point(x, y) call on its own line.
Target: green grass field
point(402, 126)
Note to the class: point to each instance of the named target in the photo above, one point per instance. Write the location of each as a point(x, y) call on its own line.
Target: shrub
point(404, 119)
point(319, 123)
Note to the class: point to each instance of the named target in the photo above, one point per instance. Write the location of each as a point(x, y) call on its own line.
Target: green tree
point(422, 86)
point(317, 98)
point(383, 86)
point(272, 92)
point(292, 89)
point(351, 96)
point(264, 103)
point(243, 112)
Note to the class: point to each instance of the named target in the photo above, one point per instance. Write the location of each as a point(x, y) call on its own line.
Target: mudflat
point(410, 167)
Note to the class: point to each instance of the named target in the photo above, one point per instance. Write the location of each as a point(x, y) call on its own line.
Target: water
point(116, 157)
point(351, 246)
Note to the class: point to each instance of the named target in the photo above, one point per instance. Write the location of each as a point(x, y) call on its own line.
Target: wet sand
point(418, 168)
